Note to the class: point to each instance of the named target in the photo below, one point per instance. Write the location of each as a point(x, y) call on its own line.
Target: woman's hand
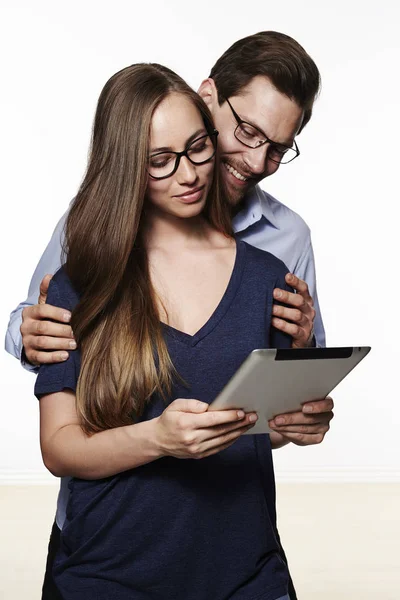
point(187, 429)
point(304, 428)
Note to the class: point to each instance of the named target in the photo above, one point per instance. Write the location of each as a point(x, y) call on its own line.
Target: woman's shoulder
point(61, 290)
point(262, 259)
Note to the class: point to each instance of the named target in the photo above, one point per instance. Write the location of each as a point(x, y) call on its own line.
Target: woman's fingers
point(216, 444)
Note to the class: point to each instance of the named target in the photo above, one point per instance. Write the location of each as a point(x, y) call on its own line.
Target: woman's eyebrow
point(187, 143)
point(195, 135)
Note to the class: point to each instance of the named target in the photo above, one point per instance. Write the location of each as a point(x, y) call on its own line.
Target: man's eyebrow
point(287, 144)
point(187, 143)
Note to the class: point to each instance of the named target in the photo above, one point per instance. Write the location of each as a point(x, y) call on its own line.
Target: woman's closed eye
point(161, 160)
point(198, 147)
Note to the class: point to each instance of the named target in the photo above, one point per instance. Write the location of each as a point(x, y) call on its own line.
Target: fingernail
point(66, 316)
point(289, 276)
point(64, 355)
point(308, 408)
point(280, 420)
point(240, 414)
point(72, 345)
point(278, 294)
point(253, 418)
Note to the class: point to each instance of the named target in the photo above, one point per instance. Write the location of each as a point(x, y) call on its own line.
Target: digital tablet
point(272, 382)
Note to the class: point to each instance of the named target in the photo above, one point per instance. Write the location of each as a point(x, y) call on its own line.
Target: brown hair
point(276, 56)
point(116, 323)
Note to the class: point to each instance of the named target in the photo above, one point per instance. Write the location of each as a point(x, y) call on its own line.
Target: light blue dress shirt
point(264, 222)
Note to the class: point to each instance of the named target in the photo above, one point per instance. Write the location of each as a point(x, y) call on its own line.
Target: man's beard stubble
point(235, 195)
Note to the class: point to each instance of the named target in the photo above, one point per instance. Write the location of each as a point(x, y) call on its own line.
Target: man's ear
point(208, 92)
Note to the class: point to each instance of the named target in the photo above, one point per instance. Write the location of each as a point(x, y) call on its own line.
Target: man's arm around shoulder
point(49, 263)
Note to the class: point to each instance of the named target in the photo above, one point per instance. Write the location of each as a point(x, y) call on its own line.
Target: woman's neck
point(161, 230)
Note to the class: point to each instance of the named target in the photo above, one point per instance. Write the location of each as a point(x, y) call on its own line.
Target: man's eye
point(248, 132)
point(278, 151)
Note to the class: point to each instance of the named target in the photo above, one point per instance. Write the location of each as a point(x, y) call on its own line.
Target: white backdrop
point(56, 56)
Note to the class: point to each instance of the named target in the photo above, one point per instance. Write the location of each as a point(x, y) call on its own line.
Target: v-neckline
point(222, 306)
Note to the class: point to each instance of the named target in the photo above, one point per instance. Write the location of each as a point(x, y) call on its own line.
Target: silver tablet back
point(273, 382)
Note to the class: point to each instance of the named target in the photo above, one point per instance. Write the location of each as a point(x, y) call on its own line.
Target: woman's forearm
point(70, 452)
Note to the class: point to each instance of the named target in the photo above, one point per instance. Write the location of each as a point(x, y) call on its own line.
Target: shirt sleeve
point(56, 377)
point(306, 271)
point(50, 262)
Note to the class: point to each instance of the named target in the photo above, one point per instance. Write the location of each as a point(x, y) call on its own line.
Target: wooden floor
point(342, 540)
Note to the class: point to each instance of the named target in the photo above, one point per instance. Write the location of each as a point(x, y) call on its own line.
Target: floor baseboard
point(329, 474)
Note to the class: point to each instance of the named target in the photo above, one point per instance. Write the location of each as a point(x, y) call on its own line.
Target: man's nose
point(256, 159)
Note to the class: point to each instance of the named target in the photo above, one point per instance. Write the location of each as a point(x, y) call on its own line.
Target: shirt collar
point(256, 205)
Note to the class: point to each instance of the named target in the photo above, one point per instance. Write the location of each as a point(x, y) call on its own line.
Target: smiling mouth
point(235, 173)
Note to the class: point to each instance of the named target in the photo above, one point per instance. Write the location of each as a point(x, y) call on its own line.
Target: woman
point(166, 306)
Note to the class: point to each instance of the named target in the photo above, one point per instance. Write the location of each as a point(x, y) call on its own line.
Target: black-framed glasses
point(252, 137)
point(200, 151)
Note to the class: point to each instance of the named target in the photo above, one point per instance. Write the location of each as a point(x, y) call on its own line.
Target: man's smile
point(235, 173)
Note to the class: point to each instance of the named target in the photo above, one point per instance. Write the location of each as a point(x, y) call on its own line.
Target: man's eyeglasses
point(164, 164)
point(252, 137)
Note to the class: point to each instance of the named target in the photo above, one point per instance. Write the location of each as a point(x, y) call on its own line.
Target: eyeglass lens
point(163, 164)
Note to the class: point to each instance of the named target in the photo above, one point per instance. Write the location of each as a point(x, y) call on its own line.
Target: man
point(261, 94)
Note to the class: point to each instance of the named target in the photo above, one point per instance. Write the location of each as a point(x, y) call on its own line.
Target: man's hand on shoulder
point(297, 318)
point(45, 334)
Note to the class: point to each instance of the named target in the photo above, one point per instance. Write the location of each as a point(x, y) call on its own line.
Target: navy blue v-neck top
point(173, 528)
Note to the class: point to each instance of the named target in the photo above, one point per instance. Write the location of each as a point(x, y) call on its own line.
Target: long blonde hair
point(116, 323)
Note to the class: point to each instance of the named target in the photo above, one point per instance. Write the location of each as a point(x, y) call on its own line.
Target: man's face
point(261, 105)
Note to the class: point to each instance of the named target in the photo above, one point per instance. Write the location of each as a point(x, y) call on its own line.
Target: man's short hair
point(276, 56)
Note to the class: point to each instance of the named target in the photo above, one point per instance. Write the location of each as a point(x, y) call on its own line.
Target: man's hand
point(305, 427)
point(298, 321)
point(45, 341)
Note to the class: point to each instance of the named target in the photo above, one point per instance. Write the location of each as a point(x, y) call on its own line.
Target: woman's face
point(177, 125)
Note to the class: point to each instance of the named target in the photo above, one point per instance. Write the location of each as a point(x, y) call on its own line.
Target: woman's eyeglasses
point(164, 164)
